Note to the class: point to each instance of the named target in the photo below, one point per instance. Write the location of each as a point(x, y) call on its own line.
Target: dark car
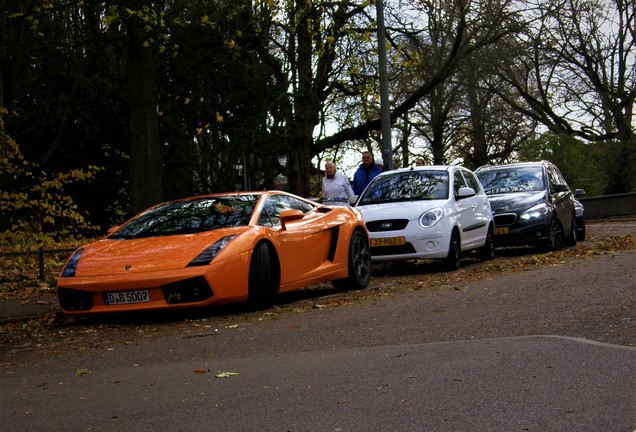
point(532, 204)
point(579, 215)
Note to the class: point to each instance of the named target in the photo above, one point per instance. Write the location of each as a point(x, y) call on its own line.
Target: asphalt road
point(552, 348)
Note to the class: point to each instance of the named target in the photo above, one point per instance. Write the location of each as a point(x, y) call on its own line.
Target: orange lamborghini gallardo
point(215, 249)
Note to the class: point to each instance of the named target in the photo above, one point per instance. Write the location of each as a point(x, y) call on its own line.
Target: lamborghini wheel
point(261, 281)
point(359, 263)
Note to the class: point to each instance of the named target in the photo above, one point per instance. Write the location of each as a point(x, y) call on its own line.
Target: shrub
point(33, 204)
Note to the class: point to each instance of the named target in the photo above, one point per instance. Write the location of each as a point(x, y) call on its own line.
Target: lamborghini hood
point(113, 257)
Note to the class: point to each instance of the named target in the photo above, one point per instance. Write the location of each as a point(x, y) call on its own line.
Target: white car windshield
point(407, 186)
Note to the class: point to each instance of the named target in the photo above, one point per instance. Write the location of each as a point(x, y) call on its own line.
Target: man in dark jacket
point(365, 173)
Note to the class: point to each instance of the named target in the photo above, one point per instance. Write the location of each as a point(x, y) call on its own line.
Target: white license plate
point(126, 297)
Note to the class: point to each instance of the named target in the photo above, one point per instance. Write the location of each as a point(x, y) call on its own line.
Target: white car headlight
point(431, 217)
point(206, 257)
point(535, 212)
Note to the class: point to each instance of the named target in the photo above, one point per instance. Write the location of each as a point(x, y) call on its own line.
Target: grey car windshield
point(407, 186)
point(511, 180)
point(190, 216)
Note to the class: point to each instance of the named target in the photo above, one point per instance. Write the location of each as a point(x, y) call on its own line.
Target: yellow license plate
point(388, 241)
point(501, 230)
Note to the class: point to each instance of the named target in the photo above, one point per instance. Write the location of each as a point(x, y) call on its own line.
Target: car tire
point(261, 285)
point(580, 230)
point(487, 251)
point(358, 263)
point(555, 235)
point(454, 258)
point(572, 239)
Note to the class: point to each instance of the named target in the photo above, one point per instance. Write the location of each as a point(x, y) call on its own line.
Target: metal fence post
point(41, 260)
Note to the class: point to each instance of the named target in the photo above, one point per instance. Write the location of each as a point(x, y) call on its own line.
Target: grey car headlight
point(536, 212)
point(578, 210)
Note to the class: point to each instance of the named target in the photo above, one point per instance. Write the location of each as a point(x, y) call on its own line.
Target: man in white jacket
point(336, 189)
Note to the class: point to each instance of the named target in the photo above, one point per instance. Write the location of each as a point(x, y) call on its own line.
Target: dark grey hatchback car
point(532, 204)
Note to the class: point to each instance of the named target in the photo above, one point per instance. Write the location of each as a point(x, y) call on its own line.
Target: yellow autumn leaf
point(226, 374)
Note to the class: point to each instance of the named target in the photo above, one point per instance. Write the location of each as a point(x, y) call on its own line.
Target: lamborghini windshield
point(190, 216)
point(407, 186)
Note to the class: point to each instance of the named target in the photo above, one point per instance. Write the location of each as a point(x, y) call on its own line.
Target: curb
point(12, 310)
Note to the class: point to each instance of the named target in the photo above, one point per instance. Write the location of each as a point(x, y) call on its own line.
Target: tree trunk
point(145, 158)
point(305, 115)
point(478, 130)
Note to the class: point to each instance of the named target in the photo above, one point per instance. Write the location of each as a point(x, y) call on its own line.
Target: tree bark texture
point(145, 157)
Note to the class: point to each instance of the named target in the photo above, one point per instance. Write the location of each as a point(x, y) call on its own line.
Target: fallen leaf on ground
point(226, 374)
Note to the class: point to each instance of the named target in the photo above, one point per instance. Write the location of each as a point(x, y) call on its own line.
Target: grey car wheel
point(580, 229)
point(572, 239)
point(555, 235)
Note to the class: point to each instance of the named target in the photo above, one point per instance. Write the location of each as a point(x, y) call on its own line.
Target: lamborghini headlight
point(71, 264)
point(206, 257)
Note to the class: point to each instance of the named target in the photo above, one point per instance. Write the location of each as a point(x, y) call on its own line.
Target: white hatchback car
point(429, 212)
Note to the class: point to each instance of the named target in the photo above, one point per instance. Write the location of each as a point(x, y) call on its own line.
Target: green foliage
point(33, 204)
point(66, 94)
point(617, 159)
point(215, 114)
point(241, 84)
point(581, 164)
